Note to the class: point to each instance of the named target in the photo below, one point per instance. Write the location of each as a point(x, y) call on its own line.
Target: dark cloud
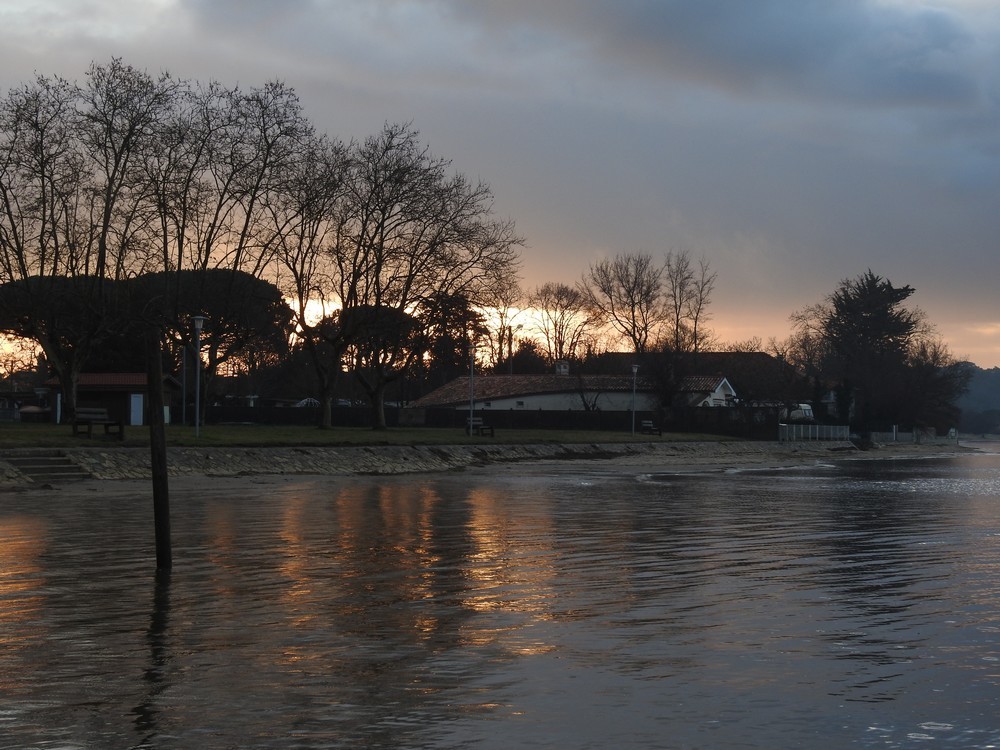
point(873, 54)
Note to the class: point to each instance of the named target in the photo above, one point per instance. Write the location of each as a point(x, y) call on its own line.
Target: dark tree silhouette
point(883, 360)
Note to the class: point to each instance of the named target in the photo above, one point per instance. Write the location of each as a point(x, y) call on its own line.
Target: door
point(136, 409)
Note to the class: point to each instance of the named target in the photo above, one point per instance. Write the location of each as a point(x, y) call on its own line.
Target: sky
point(790, 143)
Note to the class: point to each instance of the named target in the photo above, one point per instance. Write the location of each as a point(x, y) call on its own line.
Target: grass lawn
point(22, 435)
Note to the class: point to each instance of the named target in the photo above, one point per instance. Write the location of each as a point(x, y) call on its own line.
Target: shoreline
point(110, 465)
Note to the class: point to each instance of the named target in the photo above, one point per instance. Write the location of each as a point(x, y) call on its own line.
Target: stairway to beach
point(47, 466)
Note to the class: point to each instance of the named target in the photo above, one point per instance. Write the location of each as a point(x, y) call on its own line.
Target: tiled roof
point(91, 379)
point(100, 380)
point(699, 383)
point(495, 387)
point(754, 376)
point(112, 378)
point(489, 387)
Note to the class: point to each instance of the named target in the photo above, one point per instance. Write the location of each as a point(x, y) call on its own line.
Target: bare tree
point(72, 205)
point(679, 280)
point(304, 227)
point(129, 174)
point(119, 110)
point(219, 178)
point(747, 346)
point(408, 231)
point(687, 294)
point(501, 299)
point(628, 291)
point(219, 162)
point(18, 358)
point(565, 319)
point(702, 286)
point(137, 175)
point(41, 178)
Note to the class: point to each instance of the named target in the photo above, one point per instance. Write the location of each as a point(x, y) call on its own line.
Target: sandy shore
point(685, 458)
point(235, 470)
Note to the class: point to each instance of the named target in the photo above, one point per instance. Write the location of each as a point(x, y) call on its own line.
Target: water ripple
point(854, 605)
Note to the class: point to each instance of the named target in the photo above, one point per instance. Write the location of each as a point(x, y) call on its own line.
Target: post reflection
point(155, 675)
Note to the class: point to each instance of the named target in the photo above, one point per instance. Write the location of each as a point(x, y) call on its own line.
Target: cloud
point(849, 51)
point(793, 142)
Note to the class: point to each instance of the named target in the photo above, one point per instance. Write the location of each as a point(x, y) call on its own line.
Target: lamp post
point(184, 385)
point(472, 384)
point(199, 321)
point(635, 370)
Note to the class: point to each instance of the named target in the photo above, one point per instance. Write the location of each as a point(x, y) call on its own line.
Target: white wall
point(616, 401)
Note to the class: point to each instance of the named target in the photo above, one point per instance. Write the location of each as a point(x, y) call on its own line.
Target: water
point(855, 605)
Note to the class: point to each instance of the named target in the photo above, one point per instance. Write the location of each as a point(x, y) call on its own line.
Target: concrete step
point(47, 466)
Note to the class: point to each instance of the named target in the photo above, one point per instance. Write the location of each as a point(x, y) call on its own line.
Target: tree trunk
point(69, 378)
point(326, 410)
point(377, 395)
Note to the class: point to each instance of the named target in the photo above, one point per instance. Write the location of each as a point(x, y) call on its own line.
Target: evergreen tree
point(882, 359)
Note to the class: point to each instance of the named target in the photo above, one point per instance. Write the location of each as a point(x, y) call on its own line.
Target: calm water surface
point(855, 605)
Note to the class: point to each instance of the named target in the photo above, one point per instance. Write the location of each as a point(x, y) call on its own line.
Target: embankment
point(133, 463)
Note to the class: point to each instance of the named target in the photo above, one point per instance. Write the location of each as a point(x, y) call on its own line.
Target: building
point(123, 394)
point(705, 391)
point(549, 392)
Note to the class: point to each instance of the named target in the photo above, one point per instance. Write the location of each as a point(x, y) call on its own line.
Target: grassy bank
point(20, 435)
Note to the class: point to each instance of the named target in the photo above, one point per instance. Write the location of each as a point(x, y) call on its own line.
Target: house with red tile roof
point(563, 392)
point(706, 390)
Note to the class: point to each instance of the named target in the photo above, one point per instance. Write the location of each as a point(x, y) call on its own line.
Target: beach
point(120, 469)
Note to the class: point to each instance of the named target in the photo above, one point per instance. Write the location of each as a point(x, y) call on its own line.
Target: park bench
point(89, 416)
point(476, 426)
point(648, 428)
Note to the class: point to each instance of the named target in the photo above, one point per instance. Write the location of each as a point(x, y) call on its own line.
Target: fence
point(896, 436)
point(744, 422)
point(798, 432)
point(753, 423)
point(926, 437)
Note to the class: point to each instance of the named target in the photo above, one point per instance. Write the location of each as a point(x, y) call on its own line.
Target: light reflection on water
point(849, 605)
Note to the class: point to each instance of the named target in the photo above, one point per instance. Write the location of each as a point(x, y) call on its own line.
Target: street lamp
point(635, 370)
point(199, 321)
point(472, 384)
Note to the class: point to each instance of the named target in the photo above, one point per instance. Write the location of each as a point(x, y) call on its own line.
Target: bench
point(648, 428)
point(476, 426)
point(89, 416)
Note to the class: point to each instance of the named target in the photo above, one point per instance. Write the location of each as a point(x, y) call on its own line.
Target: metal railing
point(896, 436)
point(798, 432)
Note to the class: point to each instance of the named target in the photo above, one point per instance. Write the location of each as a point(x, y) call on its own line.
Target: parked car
point(798, 413)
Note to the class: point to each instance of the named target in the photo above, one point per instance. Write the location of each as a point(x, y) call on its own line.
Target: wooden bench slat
point(87, 417)
point(648, 428)
point(476, 426)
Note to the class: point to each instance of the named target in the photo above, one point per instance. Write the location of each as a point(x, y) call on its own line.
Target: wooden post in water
point(158, 448)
